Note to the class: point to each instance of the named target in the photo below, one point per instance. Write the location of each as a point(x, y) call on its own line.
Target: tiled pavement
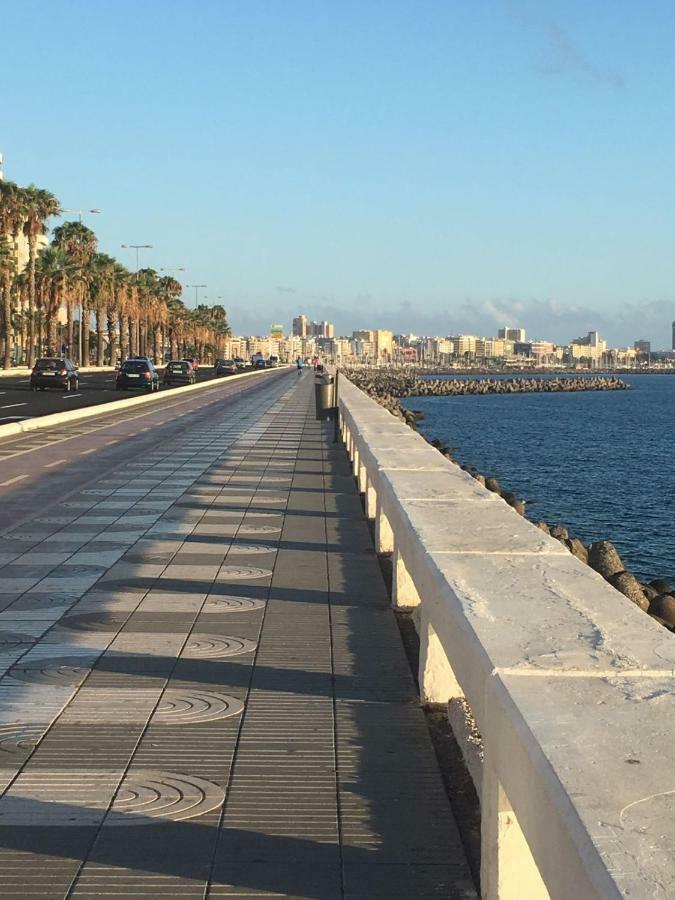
point(203, 691)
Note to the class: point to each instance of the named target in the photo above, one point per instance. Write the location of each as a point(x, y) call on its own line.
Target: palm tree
point(37, 205)
point(79, 243)
point(54, 273)
point(7, 273)
point(10, 229)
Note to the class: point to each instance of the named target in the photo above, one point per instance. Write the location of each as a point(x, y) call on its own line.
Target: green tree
point(37, 205)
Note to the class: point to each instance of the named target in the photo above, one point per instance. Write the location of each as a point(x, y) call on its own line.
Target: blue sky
point(436, 167)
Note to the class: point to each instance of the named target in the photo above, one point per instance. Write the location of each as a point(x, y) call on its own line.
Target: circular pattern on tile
point(64, 670)
point(77, 569)
point(147, 795)
point(232, 604)
point(98, 621)
point(252, 548)
point(254, 514)
point(19, 738)
point(51, 599)
point(14, 639)
point(210, 646)
point(235, 573)
point(55, 520)
point(259, 529)
point(183, 706)
point(97, 492)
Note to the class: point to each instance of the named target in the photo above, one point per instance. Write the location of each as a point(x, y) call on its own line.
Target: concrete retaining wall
point(571, 685)
point(72, 415)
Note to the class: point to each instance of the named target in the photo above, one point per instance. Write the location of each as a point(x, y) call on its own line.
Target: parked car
point(259, 363)
point(56, 372)
point(226, 367)
point(273, 362)
point(193, 362)
point(241, 362)
point(137, 374)
point(179, 371)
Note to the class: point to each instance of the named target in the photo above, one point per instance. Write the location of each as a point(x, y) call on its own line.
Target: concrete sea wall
point(571, 686)
point(655, 597)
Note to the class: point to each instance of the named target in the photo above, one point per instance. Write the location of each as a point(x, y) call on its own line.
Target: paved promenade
point(203, 691)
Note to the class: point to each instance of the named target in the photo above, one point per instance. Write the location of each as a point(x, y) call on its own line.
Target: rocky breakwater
point(657, 597)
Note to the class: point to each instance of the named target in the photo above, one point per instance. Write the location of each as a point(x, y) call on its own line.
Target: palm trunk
point(124, 338)
point(70, 326)
point(31, 301)
point(157, 346)
point(85, 334)
point(53, 334)
point(100, 343)
point(112, 338)
point(7, 326)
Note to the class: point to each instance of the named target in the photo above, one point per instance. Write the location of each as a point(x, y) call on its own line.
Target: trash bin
point(323, 396)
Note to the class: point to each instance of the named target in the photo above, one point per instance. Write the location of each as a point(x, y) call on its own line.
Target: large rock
point(603, 557)
point(576, 548)
point(661, 585)
point(560, 533)
point(493, 485)
point(629, 586)
point(663, 606)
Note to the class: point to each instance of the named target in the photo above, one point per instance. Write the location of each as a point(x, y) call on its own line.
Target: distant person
point(299, 363)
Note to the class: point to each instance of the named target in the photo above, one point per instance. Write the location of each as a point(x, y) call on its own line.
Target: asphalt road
point(18, 402)
point(46, 465)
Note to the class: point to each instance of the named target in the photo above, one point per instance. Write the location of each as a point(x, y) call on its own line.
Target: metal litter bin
point(323, 396)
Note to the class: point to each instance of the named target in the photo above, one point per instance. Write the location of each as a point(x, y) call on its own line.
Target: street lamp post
point(137, 247)
point(80, 212)
point(196, 287)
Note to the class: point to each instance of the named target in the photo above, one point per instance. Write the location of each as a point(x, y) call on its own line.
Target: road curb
point(88, 412)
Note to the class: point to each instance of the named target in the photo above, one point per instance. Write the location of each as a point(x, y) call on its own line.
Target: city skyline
point(497, 163)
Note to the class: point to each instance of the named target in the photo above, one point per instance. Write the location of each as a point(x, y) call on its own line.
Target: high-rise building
point(300, 326)
point(673, 342)
point(512, 334)
point(363, 335)
point(642, 346)
point(384, 344)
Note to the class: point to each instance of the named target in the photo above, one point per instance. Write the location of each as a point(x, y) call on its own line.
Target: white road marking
point(85, 452)
point(12, 480)
point(13, 405)
point(108, 443)
point(70, 396)
point(57, 462)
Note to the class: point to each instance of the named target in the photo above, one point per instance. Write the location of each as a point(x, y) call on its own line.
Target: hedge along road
point(17, 401)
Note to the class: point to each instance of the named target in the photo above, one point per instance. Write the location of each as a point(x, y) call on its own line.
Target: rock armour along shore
point(657, 597)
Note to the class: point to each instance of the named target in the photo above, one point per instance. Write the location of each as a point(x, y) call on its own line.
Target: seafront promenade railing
point(572, 687)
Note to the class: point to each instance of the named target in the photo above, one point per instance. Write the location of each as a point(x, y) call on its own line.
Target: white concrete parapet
point(571, 685)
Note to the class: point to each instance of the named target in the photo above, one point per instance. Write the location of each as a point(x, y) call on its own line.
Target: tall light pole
point(137, 247)
point(196, 287)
